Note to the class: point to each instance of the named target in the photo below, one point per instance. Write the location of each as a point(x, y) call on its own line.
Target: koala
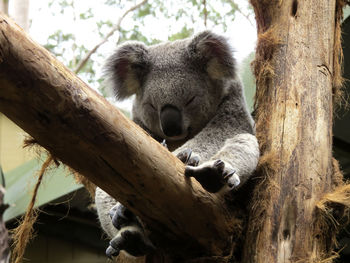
point(188, 95)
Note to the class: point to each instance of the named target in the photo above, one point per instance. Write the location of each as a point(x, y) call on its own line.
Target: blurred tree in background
point(132, 20)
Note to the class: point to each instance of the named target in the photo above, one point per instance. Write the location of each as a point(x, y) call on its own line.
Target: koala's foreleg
point(232, 165)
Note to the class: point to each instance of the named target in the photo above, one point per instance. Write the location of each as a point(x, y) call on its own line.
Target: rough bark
point(294, 68)
point(84, 131)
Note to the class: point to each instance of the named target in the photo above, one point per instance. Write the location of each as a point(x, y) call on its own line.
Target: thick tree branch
point(115, 28)
point(84, 131)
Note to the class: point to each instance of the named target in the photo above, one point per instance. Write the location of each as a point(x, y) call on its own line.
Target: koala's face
point(176, 99)
point(178, 85)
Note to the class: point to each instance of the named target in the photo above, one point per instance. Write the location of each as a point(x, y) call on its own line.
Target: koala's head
point(178, 85)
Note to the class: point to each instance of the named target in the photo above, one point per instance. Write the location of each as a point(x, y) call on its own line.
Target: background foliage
point(85, 24)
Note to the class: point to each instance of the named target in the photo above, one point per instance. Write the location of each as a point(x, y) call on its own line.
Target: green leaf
point(185, 32)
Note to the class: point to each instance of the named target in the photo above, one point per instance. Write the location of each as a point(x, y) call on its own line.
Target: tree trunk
point(294, 68)
point(84, 131)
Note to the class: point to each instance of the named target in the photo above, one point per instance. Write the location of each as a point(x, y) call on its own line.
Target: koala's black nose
point(171, 120)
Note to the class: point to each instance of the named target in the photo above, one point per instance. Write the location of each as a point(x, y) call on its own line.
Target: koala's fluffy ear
point(126, 69)
point(215, 53)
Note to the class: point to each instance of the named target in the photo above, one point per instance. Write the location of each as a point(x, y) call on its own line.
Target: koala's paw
point(214, 175)
point(121, 216)
point(132, 240)
point(188, 157)
point(130, 237)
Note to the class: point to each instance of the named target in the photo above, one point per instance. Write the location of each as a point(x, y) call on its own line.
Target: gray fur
point(104, 203)
point(195, 80)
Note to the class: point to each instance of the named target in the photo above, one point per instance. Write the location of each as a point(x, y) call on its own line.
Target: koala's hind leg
point(121, 216)
point(130, 237)
point(122, 226)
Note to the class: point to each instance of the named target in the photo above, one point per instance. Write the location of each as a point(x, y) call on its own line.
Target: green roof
point(346, 11)
point(20, 183)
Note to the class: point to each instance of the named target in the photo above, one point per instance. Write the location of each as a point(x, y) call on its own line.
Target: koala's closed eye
point(190, 101)
point(150, 105)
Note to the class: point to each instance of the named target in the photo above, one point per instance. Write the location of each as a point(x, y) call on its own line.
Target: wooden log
point(84, 131)
point(294, 68)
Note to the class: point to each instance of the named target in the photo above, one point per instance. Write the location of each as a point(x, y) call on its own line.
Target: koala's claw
point(111, 252)
point(214, 175)
point(188, 158)
point(193, 161)
point(121, 216)
point(233, 180)
point(219, 166)
point(131, 241)
point(164, 143)
point(185, 155)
